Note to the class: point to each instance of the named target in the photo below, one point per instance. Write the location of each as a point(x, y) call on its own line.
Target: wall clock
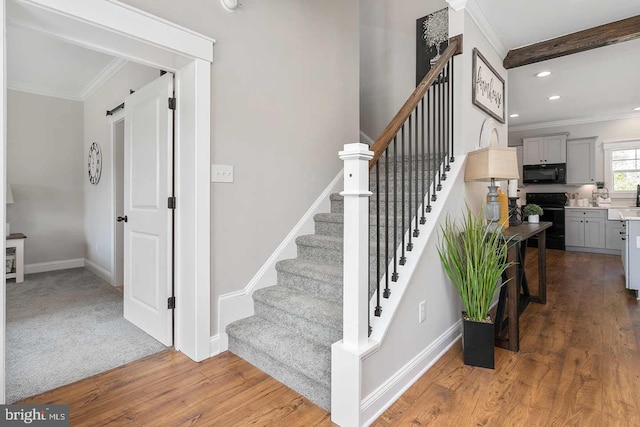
point(95, 163)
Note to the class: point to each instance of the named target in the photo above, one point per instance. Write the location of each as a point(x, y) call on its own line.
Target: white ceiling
point(593, 85)
point(37, 63)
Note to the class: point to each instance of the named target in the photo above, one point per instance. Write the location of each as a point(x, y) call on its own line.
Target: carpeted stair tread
point(290, 349)
point(322, 312)
point(329, 273)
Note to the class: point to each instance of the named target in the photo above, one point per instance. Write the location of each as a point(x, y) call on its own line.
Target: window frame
point(609, 148)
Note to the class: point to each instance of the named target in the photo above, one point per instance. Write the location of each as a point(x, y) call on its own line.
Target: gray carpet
point(66, 325)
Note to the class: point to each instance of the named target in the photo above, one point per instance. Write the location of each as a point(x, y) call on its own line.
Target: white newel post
point(345, 355)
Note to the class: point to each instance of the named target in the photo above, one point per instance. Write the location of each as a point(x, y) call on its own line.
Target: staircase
point(297, 320)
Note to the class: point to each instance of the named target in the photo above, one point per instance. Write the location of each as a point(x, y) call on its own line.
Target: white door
point(148, 182)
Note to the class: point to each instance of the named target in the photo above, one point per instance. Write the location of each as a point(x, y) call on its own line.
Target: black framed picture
point(432, 38)
point(487, 92)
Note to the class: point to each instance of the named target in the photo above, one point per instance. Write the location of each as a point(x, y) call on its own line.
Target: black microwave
point(555, 173)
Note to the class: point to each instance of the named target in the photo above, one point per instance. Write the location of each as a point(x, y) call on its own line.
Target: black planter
point(478, 343)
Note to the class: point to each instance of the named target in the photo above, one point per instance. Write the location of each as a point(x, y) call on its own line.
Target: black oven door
point(555, 233)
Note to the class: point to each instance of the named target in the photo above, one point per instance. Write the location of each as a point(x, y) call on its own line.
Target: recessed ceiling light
point(543, 74)
point(636, 109)
point(514, 115)
point(554, 97)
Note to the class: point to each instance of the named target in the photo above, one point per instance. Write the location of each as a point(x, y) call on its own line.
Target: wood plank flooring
point(579, 364)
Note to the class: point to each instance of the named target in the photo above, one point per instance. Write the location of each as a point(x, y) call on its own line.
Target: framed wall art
point(487, 92)
point(432, 38)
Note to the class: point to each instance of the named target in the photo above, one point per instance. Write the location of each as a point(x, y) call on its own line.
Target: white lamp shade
point(9, 194)
point(493, 162)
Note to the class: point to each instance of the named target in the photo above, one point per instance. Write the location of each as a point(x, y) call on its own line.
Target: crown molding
point(102, 77)
point(571, 122)
point(486, 28)
point(19, 87)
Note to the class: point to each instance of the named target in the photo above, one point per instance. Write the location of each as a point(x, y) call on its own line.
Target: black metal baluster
point(378, 311)
point(447, 100)
point(433, 145)
point(394, 277)
point(387, 292)
point(439, 136)
point(416, 170)
point(403, 259)
point(423, 219)
point(409, 244)
point(452, 159)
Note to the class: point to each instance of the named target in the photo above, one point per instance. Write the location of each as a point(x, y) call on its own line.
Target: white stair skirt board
point(41, 267)
point(238, 305)
point(366, 139)
point(97, 270)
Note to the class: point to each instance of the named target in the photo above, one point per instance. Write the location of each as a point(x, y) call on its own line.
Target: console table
point(16, 241)
point(507, 331)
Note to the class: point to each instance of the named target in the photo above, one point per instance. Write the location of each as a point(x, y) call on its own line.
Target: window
point(625, 167)
point(622, 168)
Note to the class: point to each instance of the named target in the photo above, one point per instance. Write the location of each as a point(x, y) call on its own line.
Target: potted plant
point(533, 212)
point(474, 258)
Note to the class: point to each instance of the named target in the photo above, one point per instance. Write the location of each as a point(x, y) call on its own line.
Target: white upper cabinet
point(545, 150)
point(581, 162)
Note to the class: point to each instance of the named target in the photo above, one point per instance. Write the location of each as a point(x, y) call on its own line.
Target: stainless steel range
point(553, 206)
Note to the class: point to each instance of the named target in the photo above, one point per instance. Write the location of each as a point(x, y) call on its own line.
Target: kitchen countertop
point(588, 207)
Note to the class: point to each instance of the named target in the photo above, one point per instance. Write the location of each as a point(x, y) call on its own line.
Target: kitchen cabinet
point(585, 228)
point(615, 232)
point(544, 149)
point(581, 161)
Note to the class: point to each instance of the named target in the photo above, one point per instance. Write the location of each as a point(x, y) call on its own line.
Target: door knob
point(122, 218)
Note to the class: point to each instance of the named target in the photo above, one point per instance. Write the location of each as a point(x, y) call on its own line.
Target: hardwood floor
point(579, 364)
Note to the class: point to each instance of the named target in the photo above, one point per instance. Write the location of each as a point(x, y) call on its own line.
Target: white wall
point(606, 131)
point(99, 222)
point(45, 167)
point(407, 338)
point(284, 101)
point(388, 58)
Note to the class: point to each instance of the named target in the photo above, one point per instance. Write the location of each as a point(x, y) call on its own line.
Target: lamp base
point(492, 211)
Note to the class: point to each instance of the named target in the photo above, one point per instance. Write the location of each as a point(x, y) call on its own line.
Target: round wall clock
point(95, 163)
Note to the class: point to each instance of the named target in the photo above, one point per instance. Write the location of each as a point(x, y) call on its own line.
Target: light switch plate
point(221, 173)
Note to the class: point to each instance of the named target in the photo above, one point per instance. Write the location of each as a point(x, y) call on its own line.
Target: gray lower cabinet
point(615, 231)
point(585, 228)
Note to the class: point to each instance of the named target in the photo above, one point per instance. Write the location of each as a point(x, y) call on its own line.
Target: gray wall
point(388, 58)
point(46, 168)
point(284, 101)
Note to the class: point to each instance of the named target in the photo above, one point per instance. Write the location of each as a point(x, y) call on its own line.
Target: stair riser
point(337, 206)
point(332, 256)
point(318, 393)
point(304, 327)
point(336, 229)
point(311, 286)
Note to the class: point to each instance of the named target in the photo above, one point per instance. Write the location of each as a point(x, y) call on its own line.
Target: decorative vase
point(533, 219)
point(478, 340)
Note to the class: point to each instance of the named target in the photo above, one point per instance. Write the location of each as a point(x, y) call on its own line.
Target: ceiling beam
point(604, 35)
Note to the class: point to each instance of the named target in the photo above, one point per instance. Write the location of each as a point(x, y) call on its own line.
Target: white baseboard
point(215, 345)
point(97, 270)
point(384, 396)
point(238, 305)
point(41, 267)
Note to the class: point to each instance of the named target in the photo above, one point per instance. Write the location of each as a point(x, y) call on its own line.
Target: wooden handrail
point(381, 144)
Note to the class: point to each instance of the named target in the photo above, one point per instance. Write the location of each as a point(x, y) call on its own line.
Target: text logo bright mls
point(35, 415)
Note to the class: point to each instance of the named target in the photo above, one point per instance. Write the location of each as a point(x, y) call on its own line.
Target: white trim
point(96, 269)
point(379, 400)
point(102, 77)
point(366, 138)
point(239, 304)
point(576, 121)
point(42, 91)
point(608, 147)
point(457, 5)
point(478, 16)
point(41, 267)
point(215, 345)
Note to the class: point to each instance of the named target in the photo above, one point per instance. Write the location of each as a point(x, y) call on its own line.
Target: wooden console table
point(508, 329)
point(16, 241)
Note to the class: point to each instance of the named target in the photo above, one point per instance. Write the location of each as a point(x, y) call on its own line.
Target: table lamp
point(490, 164)
point(9, 202)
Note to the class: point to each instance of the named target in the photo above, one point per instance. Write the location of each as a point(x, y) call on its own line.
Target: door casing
point(121, 30)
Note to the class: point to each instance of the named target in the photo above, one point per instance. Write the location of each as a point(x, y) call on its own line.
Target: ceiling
point(43, 65)
point(593, 85)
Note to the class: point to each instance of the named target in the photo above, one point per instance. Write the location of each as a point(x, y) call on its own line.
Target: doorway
point(117, 132)
point(147, 40)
